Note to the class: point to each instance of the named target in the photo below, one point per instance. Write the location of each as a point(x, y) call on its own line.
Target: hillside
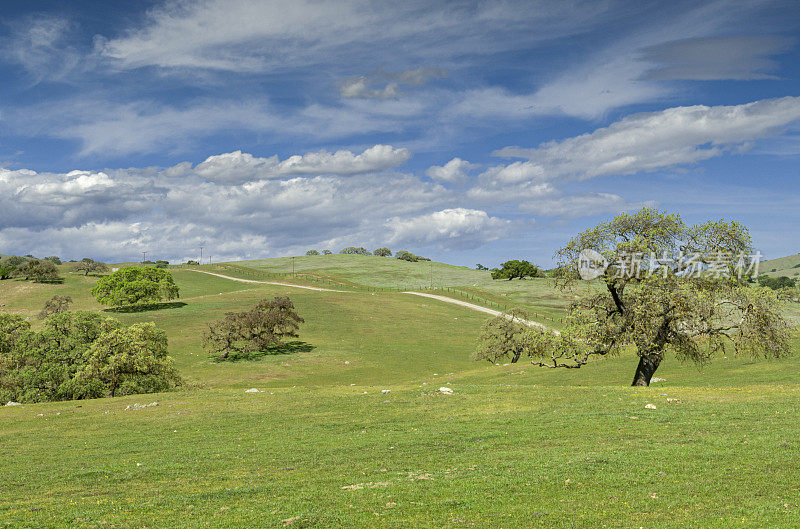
point(322, 444)
point(783, 266)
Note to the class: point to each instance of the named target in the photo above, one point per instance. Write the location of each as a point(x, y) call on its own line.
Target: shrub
point(132, 285)
point(88, 265)
point(327, 252)
point(55, 305)
point(403, 255)
point(38, 270)
point(258, 329)
point(356, 251)
point(383, 252)
point(516, 269)
point(81, 355)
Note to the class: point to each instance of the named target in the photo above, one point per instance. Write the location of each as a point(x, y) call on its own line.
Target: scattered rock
point(137, 406)
point(385, 390)
point(650, 406)
point(654, 495)
point(12, 403)
point(674, 401)
point(445, 390)
point(657, 379)
point(252, 390)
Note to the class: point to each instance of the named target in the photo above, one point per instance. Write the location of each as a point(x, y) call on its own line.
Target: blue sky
point(468, 132)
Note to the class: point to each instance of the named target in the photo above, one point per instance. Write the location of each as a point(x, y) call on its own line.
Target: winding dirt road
point(444, 299)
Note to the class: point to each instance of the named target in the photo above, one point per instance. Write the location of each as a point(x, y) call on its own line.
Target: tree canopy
point(81, 355)
point(383, 252)
point(87, 266)
point(133, 285)
point(516, 269)
point(682, 298)
point(263, 327)
point(39, 270)
point(360, 250)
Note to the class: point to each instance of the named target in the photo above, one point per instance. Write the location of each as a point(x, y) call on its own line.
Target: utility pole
point(201, 253)
point(144, 257)
point(292, 266)
point(431, 275)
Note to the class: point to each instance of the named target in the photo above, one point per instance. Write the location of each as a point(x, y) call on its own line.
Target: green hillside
point(321, 444)
point(783, 266)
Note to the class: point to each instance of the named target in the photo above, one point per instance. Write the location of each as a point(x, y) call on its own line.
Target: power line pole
point(144, 257)
point(201, 253)
point(292, 266)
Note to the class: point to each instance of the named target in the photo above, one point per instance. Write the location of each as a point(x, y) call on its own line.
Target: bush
point(88, 265)
point(55, 305)
point(132, 285)
point(327, 252)
point(264, 326)
point(516, 269)
point(356, 251)
point(81, 355)
point(403, 255)
point(776, 283)
point(312, 252)
point(383, 252)
point(6, 270)
point(38, 270)
point(192, 262)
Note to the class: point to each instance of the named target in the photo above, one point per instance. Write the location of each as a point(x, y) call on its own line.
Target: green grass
point(783, 266)
point(515, 446)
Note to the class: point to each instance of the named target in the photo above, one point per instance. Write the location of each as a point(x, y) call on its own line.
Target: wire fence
point(244, 272)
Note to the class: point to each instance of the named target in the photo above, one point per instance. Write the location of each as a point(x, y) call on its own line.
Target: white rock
point(12, 403)
point(385, 390)
point(650, 406)
point(445, 390)
point(657, 379)
point(252, 390)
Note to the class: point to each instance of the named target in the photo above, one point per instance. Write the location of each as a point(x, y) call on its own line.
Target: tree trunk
point(648, 363)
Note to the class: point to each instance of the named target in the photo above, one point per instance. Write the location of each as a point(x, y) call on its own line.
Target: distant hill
point(783, 266)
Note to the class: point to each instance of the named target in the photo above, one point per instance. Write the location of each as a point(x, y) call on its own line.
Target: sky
point(468, 132)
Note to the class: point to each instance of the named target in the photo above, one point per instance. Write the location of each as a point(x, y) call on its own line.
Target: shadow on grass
point(147, 307)
point(288, 348)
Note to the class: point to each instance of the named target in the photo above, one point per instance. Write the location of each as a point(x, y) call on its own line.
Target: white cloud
point(448, 228)
point(238, 167)
point(579, 205)
point(454, 171)
point(651, 141)
point(715, 58)
point(381, 84)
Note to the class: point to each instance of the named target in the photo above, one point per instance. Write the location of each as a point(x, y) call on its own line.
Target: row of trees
point(694, 317)
point(80, 355)
point(44, 270)
point(380, 252)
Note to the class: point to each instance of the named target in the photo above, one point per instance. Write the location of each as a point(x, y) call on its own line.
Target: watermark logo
point(635, 265)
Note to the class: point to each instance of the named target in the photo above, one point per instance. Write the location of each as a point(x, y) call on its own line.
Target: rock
point(386, 390)
point(137, 406)
point(252, 390)
point(445, 390)
point(674, 401)
point(650, 406)
point(12, 403)
point(657, 379)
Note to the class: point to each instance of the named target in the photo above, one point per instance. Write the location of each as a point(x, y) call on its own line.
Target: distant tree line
point(383, 251)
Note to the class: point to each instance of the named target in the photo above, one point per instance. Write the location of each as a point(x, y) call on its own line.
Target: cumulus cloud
point(238, 167)
point(651, 141)
point(454, 171)
point(449, 228)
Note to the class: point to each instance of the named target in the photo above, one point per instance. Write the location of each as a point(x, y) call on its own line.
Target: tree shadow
point(295, 346)
point(146, 307)
point(58, 281)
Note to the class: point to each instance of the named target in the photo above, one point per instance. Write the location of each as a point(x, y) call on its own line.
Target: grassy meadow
point(322, 445)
